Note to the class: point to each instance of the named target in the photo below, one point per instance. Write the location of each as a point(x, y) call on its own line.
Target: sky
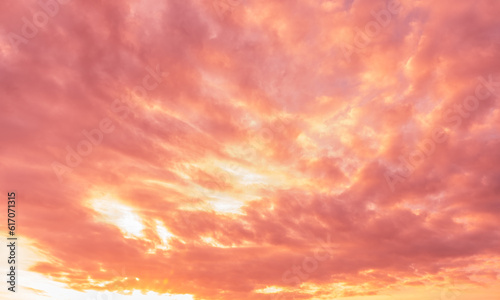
point(251, 149)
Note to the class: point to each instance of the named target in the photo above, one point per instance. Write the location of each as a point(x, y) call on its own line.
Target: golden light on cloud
point(111, 211)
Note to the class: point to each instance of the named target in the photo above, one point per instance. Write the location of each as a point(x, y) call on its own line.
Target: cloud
point(247, 135)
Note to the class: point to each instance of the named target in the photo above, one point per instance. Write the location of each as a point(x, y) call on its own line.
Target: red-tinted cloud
point(254, 149)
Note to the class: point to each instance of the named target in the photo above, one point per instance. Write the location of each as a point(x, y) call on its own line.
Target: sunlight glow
point(112, 211)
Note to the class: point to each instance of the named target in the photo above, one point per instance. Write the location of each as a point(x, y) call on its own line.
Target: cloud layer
point(255, 149)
